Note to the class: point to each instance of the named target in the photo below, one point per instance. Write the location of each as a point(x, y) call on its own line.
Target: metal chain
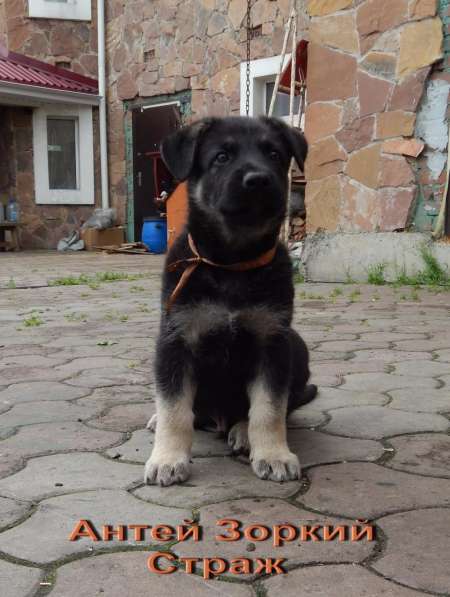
point(249, 34)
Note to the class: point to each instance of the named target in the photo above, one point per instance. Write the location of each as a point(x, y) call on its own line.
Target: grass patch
point(11, 284)
point(299, 278)
point(375, 274)
point(433, 274)
point(33, 321)
point(354, 295)
point(336, 292)
point(96, 280)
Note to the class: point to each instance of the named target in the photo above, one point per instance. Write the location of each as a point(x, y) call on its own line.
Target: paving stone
point(84, 364)
point(414, 554)
point(29, 360)
point(419, 400)
point(314, 447)
point(367, 490)
point(139, 446)
point(96, 378)
point(377, 422)
point(113, 395)
point(390, 356)
point(18, 374)
point(443, 356)
point(435, 344)
point(390, 337)
point(44, 438)
point(305, 417)
point(43, 537)
point(46, 412)
point(422, 369)
point(269, 512)
point(346, 367)
point(318, 356)
point(328, 398)
point(382, 382)
point(62, 473)
point(215, 480)
point(18, 581)
point(339, 581)
point(125, 417)
point(38, 391)
point(351, 345)
point(99, 576)
point(11, 510)
point(424, 454)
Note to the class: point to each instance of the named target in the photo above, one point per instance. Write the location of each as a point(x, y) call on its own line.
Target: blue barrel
point(154, 234)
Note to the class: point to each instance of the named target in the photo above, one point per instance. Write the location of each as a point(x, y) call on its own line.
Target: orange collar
point(193, 262)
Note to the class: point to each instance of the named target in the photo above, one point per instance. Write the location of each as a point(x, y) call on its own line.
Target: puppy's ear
point(179, 149)
point(294, 139)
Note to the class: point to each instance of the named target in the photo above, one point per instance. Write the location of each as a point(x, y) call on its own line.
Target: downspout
point(102, 106)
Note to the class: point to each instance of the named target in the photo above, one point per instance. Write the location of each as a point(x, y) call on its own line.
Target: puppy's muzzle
point(255, 181)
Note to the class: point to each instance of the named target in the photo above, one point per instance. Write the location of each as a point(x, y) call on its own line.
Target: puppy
point(226, 352)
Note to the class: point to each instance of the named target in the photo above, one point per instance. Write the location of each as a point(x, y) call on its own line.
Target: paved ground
point(76, 391)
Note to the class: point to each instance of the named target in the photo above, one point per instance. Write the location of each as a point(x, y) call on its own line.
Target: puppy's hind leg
point(238, 438)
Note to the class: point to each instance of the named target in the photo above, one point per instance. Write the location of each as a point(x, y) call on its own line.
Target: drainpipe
point(102, 107)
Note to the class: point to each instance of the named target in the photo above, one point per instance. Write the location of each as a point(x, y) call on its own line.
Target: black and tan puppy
point(226, 352)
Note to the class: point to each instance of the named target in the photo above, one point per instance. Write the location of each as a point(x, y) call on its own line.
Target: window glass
point(281, 107)
point(62, 153)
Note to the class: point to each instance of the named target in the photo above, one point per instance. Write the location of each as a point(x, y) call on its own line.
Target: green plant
point(354, 294)
point(11, 284)
point(299, 278)
point(34, 320)
point(336, 292)
point(375, 274)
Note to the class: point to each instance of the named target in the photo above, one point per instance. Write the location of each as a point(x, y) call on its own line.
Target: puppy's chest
point(208, 318)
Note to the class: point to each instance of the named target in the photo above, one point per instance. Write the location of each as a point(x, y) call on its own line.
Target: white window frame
point(70, 10)
point(262, 71)
point(85, 193)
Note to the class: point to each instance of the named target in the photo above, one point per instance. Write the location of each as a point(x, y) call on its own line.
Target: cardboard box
point(102, 238)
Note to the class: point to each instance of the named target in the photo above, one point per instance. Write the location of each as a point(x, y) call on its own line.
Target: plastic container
point(154, 234)
point(12, 211)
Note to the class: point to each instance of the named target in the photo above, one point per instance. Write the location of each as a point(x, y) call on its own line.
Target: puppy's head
point(237, 169)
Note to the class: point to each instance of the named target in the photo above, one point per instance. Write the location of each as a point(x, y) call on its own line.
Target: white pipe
point(102, 106)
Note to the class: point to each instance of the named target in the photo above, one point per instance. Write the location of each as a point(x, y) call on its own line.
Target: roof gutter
point(102, 106)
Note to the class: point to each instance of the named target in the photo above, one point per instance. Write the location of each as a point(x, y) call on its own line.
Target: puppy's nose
point(255, 180)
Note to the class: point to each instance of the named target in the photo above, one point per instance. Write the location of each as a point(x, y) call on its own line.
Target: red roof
point(19, 69)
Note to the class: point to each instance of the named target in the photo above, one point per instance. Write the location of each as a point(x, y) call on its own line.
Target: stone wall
point(51, 40)
point(368, 63)
point(166, 46)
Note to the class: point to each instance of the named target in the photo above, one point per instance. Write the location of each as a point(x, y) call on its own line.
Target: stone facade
point(368, 66)
point(375, 76)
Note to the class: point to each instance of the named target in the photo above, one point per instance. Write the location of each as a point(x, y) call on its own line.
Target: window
point(72, 10)
point(263, 73)
point(61, 135)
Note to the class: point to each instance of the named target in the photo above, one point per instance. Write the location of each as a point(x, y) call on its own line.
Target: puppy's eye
point(222, 157)
point(274, 155)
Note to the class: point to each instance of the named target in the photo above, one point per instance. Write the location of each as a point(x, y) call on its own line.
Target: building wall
point(167, 46)
point(368, 66)
point(74, 44)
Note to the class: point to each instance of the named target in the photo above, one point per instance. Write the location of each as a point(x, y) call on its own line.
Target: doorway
point(151, 124)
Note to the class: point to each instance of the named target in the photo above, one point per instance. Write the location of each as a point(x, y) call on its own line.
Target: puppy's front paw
point(166, 473)
point(238, 438)
point(278, 467)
